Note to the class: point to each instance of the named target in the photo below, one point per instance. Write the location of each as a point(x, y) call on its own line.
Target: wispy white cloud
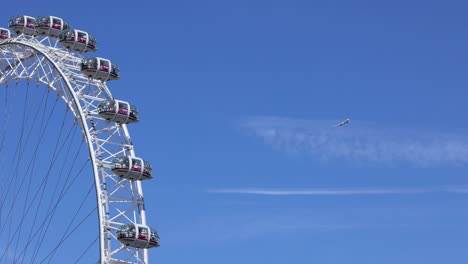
point(342, 192)
point(360, 141)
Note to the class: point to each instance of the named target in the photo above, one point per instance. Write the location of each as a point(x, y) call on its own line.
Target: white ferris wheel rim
point(101, 150)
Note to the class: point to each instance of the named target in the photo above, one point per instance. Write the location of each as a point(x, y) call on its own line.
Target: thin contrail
point(342, 192)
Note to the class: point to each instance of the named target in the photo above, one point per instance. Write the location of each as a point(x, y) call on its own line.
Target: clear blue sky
point(238, 100)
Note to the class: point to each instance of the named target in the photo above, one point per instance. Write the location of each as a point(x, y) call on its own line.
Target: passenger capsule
point(22, 24)
point(118, 111)
point(101, 69)
point(4, 34)
point(51, 26)
point(132, 168)
point(77, 40)
point(138, 236)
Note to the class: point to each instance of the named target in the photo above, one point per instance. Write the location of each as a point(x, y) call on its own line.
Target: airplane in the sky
point(342, 123)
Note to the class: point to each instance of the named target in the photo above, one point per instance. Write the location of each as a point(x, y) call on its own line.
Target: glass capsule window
point(106, 106)
point(143, 233)
point(121, 162)
point(91, 64)
point(4, 33)
point(104, 65)
point(56, 23)
point(123, 108)
point(126, 231)
point(154, 236)
point(115, 70)
point(136, 165)
point(42, 21)
point(82, 37)
point(68, 35)
point(147, 168)
point(92, 41)
point(133, 111)
point(16, 21)
point(30, 22)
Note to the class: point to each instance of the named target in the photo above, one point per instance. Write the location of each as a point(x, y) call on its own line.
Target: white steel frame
point(120, 201)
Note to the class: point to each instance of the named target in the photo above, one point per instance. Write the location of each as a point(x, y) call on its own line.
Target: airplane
point(342, 123)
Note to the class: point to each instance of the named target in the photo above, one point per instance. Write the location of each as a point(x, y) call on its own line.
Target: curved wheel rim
point(120, 201)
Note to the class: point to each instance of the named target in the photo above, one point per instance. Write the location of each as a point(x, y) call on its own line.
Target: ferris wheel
point(48, 52)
